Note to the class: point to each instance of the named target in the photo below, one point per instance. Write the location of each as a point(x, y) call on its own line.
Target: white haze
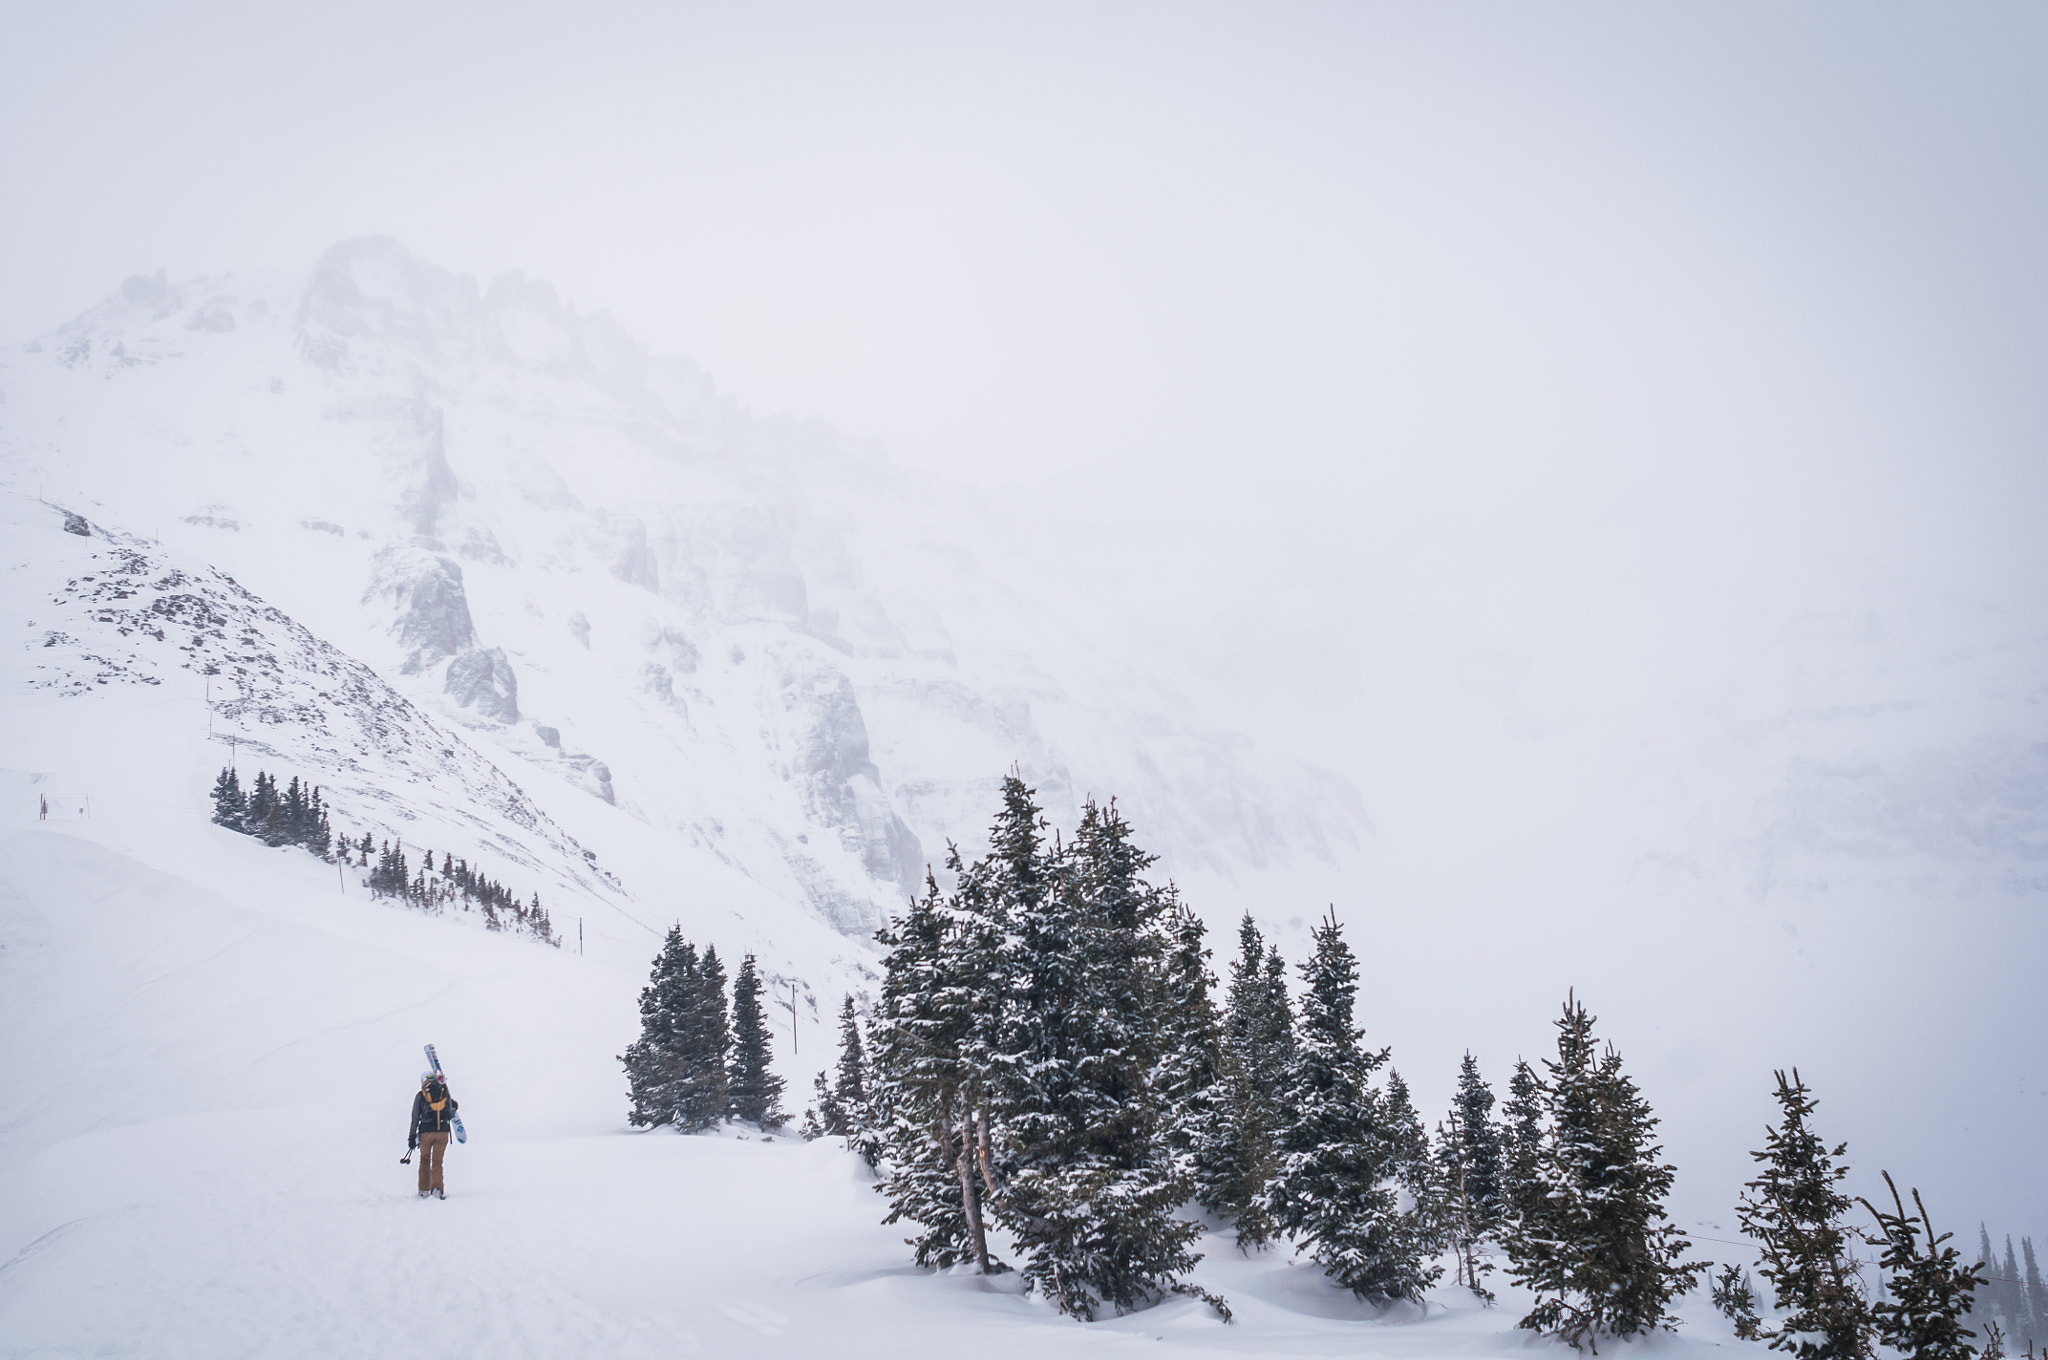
point(1611, 440)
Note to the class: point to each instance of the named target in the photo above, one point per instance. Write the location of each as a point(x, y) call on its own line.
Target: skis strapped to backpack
point(434, 1061)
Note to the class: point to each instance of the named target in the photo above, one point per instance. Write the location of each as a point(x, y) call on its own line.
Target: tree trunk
point(970, 1202)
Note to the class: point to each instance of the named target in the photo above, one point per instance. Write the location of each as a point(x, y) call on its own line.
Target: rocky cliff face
point(751, 635)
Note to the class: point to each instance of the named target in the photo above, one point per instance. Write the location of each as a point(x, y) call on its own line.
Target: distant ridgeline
point(1051, 1056)
point(295, 815)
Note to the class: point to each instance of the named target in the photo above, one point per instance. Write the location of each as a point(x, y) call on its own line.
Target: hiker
point(433, 1114)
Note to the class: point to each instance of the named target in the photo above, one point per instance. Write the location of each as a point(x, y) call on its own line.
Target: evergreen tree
point(1090, 1190)
point(1587, 1236)
point(755, 1092)
point(261, 817)
point(2037, 1296)
point(290, 828)
point(2011, 1294)
point(654, 1062)
point(230, 808)
point(847, 1111)
point(1189, 1037)
point(1461, 1221)
point(1927, 1295)
point(1471, 1114)
point(1234, 1155)
point(1521, 1138)
point(825, 1117)
point(703, 1095)
point(913, 1103)
point(1332, 1186)
point(851, 1083)
point(1794, 1210)
point(318, 834)
point(1734, 1297)
point(1415, 1170)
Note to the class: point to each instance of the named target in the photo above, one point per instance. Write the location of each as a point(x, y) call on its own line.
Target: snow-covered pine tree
point(230, 808)
point(1461, 1216)
point(1234, 1156)
point(1189, 1036)
point(850, 1083)
point(1794, 1209)
point(754, 1092)
point(1588, 1236)
point(1521, 1138)
point(1333, 1188)
point(290, 827)
point(319, 836)
point(262, 811)
point(654, 1064)
point(703, 1093)
point(914, 1074)
point(1472, 1114)
point(1415, 1170)
point(1090, 1190)
point(1927, 1295)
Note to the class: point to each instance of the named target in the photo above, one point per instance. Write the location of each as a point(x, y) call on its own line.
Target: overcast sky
point(1003, 241)
point(1476, 396)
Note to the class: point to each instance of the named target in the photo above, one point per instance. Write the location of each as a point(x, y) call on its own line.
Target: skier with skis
point(433, 1115)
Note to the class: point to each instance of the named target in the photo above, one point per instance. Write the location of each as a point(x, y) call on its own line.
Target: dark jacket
point(425, 1118)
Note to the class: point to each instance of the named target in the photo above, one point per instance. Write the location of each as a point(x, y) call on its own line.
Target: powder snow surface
point(210, 1057)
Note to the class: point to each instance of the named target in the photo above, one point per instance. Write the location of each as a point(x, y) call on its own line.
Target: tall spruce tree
point(703, 1095)
point(1928, 1292)
point(229, 806)
point(850, 1084)
point(1462, 1227)
point(2036, 1295)
point(1521, 1137)
point(1234, 1154)
point(1333, 1188)
point(1472, 1115)
point(654, 1061)
point(261, 814)
point(914, 1050)
point(1588, 1236)
point(754, 1091)
point(1415, 1169)
point(2011, 1294)
point(1189, 1037)
point(1091, 1189)
point(1794, 1209)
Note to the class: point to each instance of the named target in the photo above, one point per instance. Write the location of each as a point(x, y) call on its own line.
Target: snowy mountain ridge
point(284, 697)
point(752, 636)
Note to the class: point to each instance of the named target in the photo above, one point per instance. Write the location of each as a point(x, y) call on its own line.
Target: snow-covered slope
point(210, 1061)
point(752, 636)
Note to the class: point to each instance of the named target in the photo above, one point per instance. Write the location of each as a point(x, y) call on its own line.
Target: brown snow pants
point(432, 1146)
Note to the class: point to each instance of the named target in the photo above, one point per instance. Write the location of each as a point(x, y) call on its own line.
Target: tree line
point(1048, 1056)
point(696, 1063)
point(2016, 1296)
point(296, 815)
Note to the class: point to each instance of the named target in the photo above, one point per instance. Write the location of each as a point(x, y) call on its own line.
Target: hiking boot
point(425, 1193)
point(439, 1193)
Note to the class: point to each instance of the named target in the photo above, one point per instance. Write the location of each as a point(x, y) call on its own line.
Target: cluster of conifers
point(1046, 1057)
point(695, 1064)
point(295, 815)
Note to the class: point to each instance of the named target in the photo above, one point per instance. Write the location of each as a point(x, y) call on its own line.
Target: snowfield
point(206, 1102)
